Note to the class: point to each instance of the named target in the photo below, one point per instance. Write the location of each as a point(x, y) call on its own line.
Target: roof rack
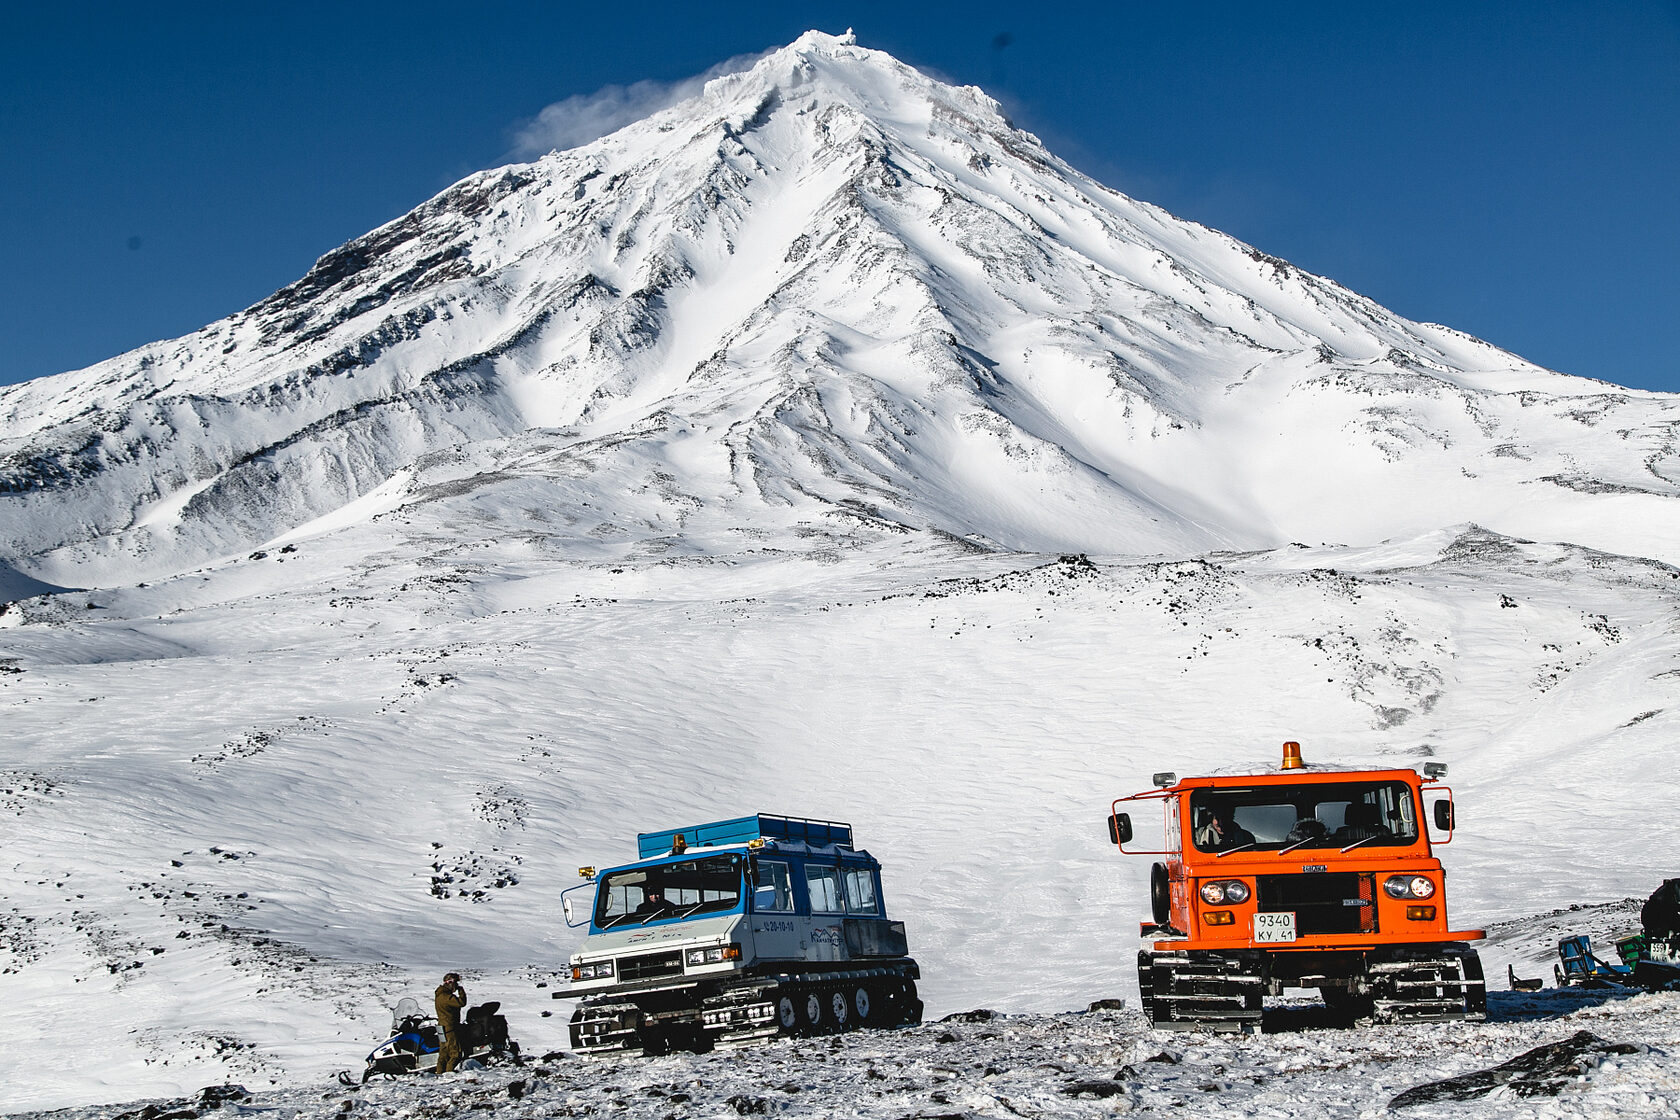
point(741, 830)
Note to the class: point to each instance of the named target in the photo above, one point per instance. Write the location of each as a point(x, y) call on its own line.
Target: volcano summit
point(829, 297)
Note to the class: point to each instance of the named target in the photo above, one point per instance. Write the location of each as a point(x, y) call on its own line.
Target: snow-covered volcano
point(828, 296)
point(722, 466)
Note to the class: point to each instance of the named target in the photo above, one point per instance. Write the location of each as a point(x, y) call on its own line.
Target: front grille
point(1326, 903)
point(651, 965)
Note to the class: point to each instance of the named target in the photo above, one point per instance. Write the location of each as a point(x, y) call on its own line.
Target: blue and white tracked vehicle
point(738, 930)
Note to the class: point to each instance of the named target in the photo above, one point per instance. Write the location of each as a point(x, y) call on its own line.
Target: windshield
point(639, 895)
point(1316, 815)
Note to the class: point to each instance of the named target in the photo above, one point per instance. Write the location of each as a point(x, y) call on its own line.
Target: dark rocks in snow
point(978, 1015)
point(1540, 1072)
point(214, 1096)
point(209, 1099)
point(1094, 1088)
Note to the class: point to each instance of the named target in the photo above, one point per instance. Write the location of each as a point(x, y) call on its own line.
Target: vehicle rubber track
point(1182, 991)
point(812, 1004)
point(607, 1025)
point(1438, 987)
point(794, 1004)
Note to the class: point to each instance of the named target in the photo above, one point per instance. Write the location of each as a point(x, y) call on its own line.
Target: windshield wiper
point(690, 910)
point(1367, 840)
point(1238, 848)
point(1299, 843)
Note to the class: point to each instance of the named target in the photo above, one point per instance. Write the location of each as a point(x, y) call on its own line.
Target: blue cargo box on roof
point(742, 830)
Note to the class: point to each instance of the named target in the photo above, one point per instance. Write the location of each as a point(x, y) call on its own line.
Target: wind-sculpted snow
point(854, 284)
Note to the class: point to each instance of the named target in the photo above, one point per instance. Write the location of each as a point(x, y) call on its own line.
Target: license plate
point(1275, 927)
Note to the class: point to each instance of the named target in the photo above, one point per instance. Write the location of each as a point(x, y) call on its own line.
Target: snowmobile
point(414, 1043)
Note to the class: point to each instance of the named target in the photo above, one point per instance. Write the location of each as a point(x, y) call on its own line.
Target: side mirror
point(566, 904)
point(1119, 828)
point(1444, 815)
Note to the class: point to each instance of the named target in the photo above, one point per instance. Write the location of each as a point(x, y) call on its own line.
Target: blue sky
point(1509, 169)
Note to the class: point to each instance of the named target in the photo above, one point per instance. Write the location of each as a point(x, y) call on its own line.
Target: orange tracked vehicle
point(1302, 877)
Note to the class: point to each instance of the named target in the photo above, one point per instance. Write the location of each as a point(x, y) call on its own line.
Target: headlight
point(1409, 886)
point(1224, 890)
point(717, 954)
point(597, 971)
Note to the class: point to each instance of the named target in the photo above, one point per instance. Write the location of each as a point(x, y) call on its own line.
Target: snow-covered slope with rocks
point(744, 460)
point(827, 289)
point(249, 808)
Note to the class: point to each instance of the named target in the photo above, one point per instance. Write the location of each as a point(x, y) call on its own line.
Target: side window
point(775, 888)
point(860, 891)
point(824, 885)
point(1395, 801)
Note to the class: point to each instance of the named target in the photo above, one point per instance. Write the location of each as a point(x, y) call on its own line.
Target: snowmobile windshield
point(1270, 818)
point(665, 892)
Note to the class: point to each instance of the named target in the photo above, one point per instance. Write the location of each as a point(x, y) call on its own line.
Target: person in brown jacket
point(451, 998)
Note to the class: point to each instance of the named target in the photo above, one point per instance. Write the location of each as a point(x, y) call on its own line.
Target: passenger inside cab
point(653, 902)
point(1220, 831)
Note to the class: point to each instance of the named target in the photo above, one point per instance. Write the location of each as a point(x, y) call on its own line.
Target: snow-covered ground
point(251, 807)
point(821, 446)
point(1080, 1063)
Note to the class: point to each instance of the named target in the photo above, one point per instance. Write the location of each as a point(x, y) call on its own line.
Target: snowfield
point(261, 803)
point(821, 446)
